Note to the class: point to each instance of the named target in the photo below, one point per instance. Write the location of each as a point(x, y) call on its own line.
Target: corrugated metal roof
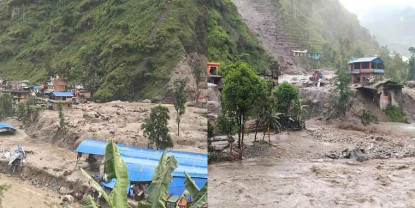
point(141, 163)
point(365, 59)
point(6, 126)
point(183, 158)
point(62, 94)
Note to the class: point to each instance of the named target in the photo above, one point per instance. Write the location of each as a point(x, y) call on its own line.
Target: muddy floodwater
point(302, 177)
point(320, 183)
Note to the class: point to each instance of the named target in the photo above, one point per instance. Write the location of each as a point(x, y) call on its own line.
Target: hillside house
point(365, 70)
point(383, 93)
point(299, 53)
point(59, 84)
point(213, 74)
point(60, 98)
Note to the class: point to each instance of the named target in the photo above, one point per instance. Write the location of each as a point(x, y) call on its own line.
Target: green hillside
point(326, 27)
point(230, 40)
point(120, 49)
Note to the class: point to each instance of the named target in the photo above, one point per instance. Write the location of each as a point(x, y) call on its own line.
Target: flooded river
point(302, 177)
point(317, 183)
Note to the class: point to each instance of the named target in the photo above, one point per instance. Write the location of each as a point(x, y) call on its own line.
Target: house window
point(356, 65)
point(63, 98)
point(365, 65)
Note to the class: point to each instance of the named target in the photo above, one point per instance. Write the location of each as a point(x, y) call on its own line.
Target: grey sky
point(359, 7)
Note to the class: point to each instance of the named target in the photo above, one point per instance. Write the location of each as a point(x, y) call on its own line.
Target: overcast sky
point(359, 7)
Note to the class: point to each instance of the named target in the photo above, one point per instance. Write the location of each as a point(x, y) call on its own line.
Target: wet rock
point(63, 190)
point(68, 198)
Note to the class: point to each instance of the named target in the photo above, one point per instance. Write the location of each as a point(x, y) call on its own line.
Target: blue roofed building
point(141, 164)
point(60, 98)
point(368, 69)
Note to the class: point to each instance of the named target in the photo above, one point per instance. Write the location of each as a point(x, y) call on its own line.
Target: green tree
point(227, 125)
point(155, 128)
point(6, 108)
point(21, 111)
point(287, 95)
point(199, 195)
point(412, 64)
point(397, 69)
point(271, 121)
point(158, 190)
point(61, 117)
point(179, 101)
point(241, 89)
point(342, 88)
point(115, 168)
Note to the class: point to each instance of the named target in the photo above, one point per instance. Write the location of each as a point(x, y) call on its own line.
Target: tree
point(199, 195)
point(241, 89)
point(342, 88)
point(6, 108)
point(287, 95)
point(412, 64)
point(115, 168)
point(271, 121)
point(179, 101)
point(21, 111)
point(162, 177)
point(227, 125)
point(155, 128)
point(61, 117)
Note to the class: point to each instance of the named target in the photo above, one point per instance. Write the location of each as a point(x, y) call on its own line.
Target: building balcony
point(378, 71)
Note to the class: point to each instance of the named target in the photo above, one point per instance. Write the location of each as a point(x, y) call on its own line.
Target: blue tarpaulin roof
point(141, 163)
point(61, 94)
point(6, 126)
point(183, 158)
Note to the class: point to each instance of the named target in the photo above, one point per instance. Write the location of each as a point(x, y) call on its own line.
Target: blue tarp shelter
point(6, 126)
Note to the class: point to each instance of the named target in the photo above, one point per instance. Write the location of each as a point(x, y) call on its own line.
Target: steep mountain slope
point(230, 40)
point(120, 49)
point(319, 26)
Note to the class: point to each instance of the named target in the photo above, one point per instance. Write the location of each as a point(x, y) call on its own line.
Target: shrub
point(396, 114)
point(367, 117)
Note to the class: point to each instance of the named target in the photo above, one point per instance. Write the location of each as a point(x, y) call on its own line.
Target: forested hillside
point(120, 49)
point(319, 26)
point(230, 40)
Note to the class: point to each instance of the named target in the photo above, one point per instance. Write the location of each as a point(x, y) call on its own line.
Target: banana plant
point(199, 195)
point(115, 168)
point(162, 177)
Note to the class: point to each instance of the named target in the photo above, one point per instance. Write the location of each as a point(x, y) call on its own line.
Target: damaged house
point(368, 75)
point(383, 93)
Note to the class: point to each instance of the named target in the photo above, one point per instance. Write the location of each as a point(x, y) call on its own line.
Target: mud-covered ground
point(295, 172)
point(118, 121)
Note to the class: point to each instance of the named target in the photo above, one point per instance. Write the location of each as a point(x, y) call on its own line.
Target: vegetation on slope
point(105, 45)
point(230, 40)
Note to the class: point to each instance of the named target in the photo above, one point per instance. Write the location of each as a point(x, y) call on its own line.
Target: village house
point(60, 98)
point(299, 53)
point(213, 74)
point(59, 84)
point(20, 92)
point(368, 69)
point(368, 74)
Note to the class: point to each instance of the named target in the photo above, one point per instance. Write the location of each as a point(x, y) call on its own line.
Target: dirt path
point(299, 175)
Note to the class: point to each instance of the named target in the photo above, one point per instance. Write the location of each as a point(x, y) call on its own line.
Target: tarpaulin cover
point(110, 184)
point(141, 163)
point(183, 158)
point(6, 126)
